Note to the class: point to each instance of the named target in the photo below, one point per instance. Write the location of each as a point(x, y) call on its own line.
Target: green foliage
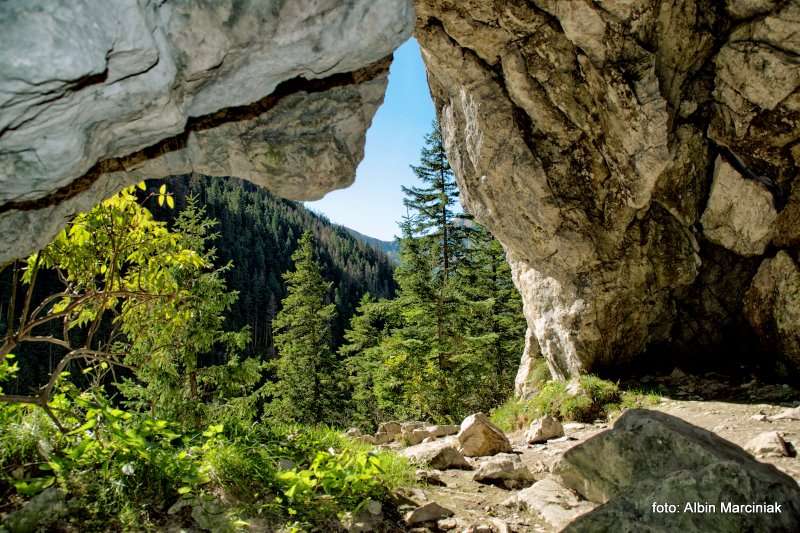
point(513, 414)
point(125, 470)
point(308, 386)
point(597, 398)
point(187, 363)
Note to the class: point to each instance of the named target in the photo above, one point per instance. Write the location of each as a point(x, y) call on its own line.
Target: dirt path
point(476, 505)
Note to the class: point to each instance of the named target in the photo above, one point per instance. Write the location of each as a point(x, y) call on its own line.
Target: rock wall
point(97, 94)
point(638, 159)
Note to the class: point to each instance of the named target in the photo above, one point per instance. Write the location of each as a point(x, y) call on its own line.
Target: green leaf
point(162, 190)
point(161, 199)
point(184, 490)
point(170, 202)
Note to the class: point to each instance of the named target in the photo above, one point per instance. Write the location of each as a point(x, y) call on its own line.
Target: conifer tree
point(308, 388)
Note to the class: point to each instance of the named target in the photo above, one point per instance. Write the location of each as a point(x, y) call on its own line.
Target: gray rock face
point(580, 136)
point(97, 95)
point(653, 457)
point(739, 215)
point(772, 306)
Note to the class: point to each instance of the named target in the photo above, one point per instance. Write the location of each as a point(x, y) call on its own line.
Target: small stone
point(759, 418)
point(443, 430)
point(447, 524)
point(788, 414)
point(428, 439)
point(429, 477)
point(383, 438)
point(573, 426)
point(767, 444)
point(427, 513)
point(353, 432)
point(544, 429)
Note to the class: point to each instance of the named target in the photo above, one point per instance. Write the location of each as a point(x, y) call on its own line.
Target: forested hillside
point(258, 233)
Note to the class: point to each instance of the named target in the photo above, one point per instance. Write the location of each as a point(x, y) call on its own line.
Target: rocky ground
point(533, 498)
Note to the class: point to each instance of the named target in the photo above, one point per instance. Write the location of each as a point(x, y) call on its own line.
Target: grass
point(596, 399)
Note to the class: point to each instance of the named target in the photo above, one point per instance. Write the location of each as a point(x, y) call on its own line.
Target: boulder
point(442, 431)
point(556, 504)
point(651, 457)
point(439, 454)
point(429, 512)
point(383, 438)
point(390, 428)
point(353, 432)
point(542, 429)
point(790, 413)
point(43, 510)
point(505, 469)
point(740, 213)
point(414, 436)
point(479, 437)
point(767, 444)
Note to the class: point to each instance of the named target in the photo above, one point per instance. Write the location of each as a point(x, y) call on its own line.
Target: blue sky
point(374, 203)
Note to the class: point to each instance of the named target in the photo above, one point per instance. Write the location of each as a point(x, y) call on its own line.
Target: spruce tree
point(493, 322)
point(307, 389)
point(432, 205)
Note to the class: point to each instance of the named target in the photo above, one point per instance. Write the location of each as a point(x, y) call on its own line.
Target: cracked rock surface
point(633, 158)
point(638, 159)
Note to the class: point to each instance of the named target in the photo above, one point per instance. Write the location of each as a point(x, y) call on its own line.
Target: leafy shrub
point(123, 470)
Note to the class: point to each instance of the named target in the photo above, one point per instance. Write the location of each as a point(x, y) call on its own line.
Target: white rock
point(479, 437)
point(740, 214)
point(504, 468)
point(767, 444)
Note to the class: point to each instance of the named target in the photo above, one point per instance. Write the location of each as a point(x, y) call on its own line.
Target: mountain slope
point(259, 233)
point(390, 248)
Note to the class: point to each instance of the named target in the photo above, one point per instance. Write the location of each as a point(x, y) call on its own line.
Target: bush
point(125, 471)
point(596, 399)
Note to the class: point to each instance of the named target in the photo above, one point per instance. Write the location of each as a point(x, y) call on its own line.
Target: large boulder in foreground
point(479, 437)
point(651, 457)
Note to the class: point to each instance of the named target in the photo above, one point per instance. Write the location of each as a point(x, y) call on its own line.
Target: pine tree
point(308, 388)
